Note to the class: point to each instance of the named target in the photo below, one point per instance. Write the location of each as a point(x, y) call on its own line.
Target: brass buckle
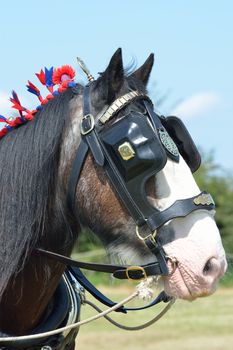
point(136, 268)
point(92, 124)
point(151, 235)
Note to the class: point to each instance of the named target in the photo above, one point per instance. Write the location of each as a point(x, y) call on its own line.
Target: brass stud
point(203, 199)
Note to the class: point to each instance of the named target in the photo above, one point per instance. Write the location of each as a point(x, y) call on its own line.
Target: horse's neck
point(27, 296)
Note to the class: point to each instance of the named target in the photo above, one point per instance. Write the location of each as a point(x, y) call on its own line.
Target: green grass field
point(206, 324)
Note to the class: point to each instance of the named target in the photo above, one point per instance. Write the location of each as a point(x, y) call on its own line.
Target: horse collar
point(63, 310)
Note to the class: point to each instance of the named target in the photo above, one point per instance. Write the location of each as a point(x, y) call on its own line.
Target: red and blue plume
point(9, 121)
point(62, 74)
point(46, 78)
point(15, 97)
point(34, 90)
point(3, 119)
point(49, 79)
point(16, 103)
point(41, 77)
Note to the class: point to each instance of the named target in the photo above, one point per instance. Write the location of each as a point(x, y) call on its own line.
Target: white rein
point(143, 291)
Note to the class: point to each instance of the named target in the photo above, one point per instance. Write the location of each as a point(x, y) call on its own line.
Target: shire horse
point(36, 162)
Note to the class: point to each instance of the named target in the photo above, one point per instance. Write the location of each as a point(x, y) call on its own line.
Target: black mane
point(29, 161)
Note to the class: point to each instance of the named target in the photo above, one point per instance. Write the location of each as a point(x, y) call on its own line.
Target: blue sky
point(192, 42)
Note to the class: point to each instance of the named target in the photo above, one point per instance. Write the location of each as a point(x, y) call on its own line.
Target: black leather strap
point(158, 251)
point(87, 285)
point(161, 297)
point(86, 99)
point(75, 173)
point(180, 208)
point(90, 137)
point(121, 190)
point(88, 128)
point(88, 141)
point(118, 271)
point(136, 273)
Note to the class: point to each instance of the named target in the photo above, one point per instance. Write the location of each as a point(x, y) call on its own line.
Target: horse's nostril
point(208, 267)
point(212, 268)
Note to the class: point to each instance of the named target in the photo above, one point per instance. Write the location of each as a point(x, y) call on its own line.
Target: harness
point(62, 311)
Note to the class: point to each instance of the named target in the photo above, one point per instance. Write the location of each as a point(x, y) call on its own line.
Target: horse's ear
point(112, 78)
point(143, 73)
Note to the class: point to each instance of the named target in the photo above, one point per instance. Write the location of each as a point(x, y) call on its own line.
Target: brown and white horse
point(36, 161)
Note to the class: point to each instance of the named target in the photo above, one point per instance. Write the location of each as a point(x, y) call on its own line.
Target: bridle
point(101, 144)
point(104, 145)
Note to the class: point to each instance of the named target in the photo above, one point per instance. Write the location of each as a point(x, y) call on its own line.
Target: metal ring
point(174, 263)
point(151, 235)
point(136, 268)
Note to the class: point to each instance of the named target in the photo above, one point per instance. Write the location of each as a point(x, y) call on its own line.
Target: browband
point(120, 103)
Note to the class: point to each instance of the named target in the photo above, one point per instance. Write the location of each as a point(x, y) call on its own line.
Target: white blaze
point(197, 239)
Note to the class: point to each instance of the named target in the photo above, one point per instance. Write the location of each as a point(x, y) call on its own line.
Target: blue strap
point(161, 297)
point(92, 290)
point(105, 300)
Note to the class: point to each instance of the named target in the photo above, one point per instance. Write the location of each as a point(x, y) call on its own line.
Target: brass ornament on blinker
point(126, 151)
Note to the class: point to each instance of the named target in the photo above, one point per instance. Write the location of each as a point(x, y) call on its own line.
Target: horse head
point(193, 241)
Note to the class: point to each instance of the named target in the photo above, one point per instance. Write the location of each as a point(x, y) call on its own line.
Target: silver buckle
point(92, 124)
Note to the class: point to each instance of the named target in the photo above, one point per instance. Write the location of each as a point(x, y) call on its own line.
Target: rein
point(142, 289)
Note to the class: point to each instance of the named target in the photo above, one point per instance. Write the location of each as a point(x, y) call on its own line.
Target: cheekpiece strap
point(88, 128)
